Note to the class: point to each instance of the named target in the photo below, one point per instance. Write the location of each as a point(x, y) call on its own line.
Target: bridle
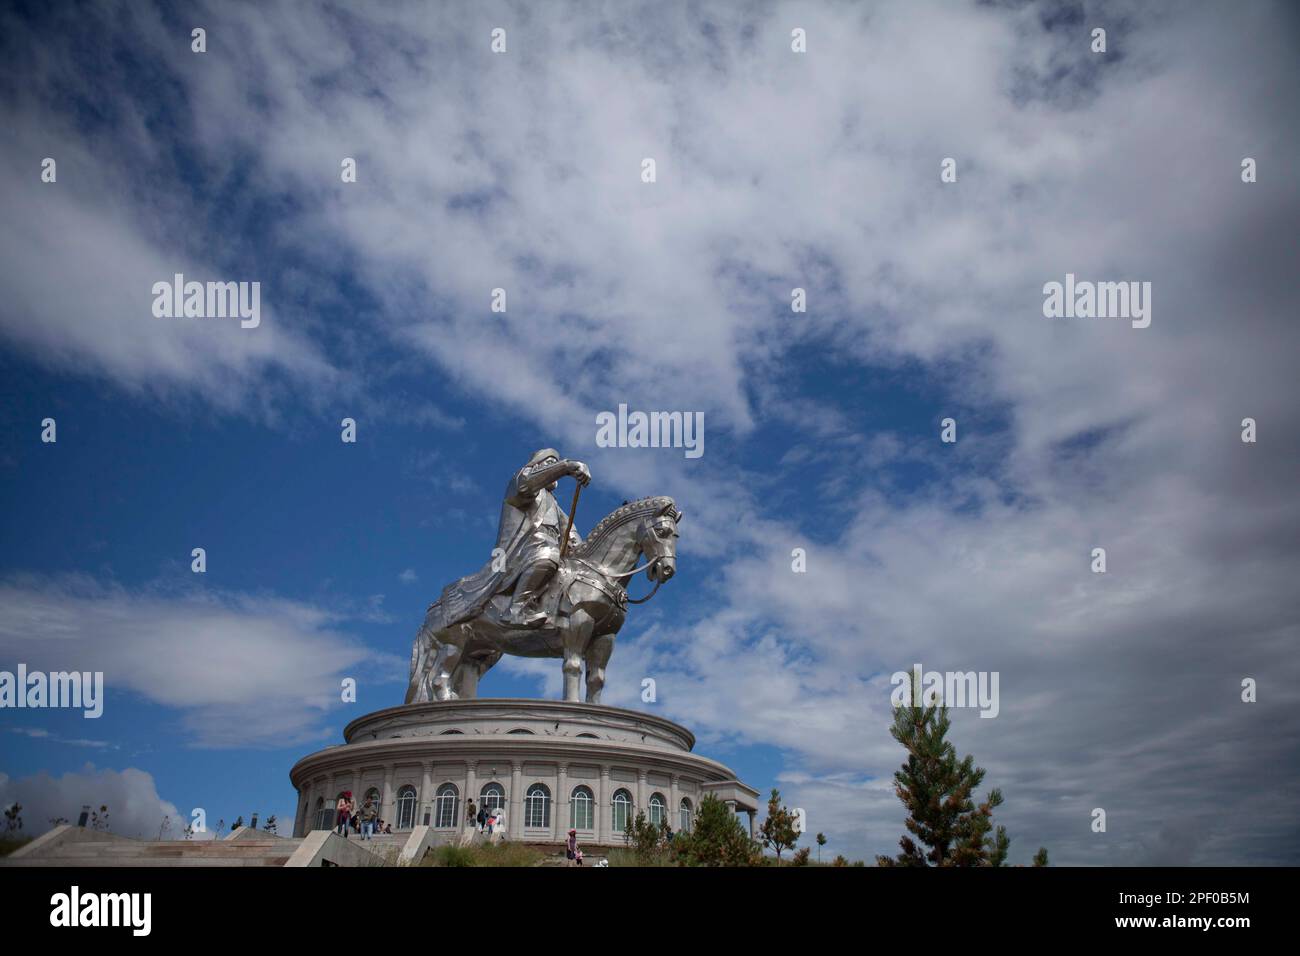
point(628, 575)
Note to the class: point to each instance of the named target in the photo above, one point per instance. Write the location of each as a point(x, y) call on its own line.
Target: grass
point(501, 854)
point(10, 843)
point(621, 857)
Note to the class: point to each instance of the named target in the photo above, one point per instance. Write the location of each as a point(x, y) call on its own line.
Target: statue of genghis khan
point(530, 530)
point(545, 592)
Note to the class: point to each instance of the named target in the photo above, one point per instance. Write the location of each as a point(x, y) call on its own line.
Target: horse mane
point(628, 511)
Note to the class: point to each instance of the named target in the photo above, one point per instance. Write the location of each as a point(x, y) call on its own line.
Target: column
point(603, 811)
point(674, 804)
point(560, 825)
point(426, 794)
point(515, 824)
point(389, 800)
point(641, 796)
point(751, 823)
point(471, 792)
point(356, 788)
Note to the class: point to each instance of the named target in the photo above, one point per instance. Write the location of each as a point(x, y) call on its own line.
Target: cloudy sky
point(775, 170)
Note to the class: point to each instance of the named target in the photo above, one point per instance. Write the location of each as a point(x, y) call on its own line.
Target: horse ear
point(680, 516)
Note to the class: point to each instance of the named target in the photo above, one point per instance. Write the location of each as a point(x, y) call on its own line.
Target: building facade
point(550, 765)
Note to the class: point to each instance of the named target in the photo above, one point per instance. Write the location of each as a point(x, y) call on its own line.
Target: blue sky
point(775, 170)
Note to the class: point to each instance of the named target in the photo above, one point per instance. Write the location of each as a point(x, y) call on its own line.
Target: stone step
point(118, 849)
point(149, 861)
point(169, 853)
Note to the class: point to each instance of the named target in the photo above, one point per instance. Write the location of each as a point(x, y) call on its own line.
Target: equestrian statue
point(545, 592)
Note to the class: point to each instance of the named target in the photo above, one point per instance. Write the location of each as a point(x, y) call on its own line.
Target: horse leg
point(576, 635)
point(598, 654)
point(467, 676)
point(418, 689)
point(423, 651)
point(444, 667)
point(471, 672)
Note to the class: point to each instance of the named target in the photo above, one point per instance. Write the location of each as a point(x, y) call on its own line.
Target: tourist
point(344, 808)
point(369, 813)
point(482, 818)
point(470, 813)
point(571, 851)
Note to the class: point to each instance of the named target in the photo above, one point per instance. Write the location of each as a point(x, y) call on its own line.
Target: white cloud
point(821, 171)
point(134, 807)
point(241, 670)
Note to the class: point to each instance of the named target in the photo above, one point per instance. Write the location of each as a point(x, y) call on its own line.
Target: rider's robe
point(530, 528)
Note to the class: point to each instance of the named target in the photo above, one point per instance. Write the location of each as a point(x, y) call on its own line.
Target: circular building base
point(550, 765)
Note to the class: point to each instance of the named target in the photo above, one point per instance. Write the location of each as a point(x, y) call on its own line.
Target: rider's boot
point(531, 586)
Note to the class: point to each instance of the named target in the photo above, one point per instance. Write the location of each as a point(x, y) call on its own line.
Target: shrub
point(449, 855)
point(717, 839)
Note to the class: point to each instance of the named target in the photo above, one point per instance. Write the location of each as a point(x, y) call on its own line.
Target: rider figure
point(531, 525)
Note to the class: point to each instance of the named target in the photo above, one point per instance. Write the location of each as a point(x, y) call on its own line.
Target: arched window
point(520, 730)
point(406, 807)
point(492, 797)
point(684, 816)
point(658, 808)
point(445, 806)
point(537, 807)
point(324, 815)
point(446, 732)
point(622, 808)
point(592, 736)
point(580, 806)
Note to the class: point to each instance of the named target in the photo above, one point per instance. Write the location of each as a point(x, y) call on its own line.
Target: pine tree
point(647, 838)
point(945, 828)
point(716, 839)
point(779, 831)
point(998, 849)
point(1040, 858)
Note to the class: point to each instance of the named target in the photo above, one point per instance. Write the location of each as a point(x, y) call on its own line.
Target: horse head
point(656, 537)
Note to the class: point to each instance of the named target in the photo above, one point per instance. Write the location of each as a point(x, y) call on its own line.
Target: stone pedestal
point(549, 759)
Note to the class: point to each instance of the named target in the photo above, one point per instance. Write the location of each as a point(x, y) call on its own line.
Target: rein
point(625, 574)
point(647, 597)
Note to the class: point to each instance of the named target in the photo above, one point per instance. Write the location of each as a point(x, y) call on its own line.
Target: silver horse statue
point(579, 609)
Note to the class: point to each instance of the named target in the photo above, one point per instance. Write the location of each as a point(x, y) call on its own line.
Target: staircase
point(118, 851)
point(76, 846)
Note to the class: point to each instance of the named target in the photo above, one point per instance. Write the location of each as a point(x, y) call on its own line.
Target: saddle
point(555, 597)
